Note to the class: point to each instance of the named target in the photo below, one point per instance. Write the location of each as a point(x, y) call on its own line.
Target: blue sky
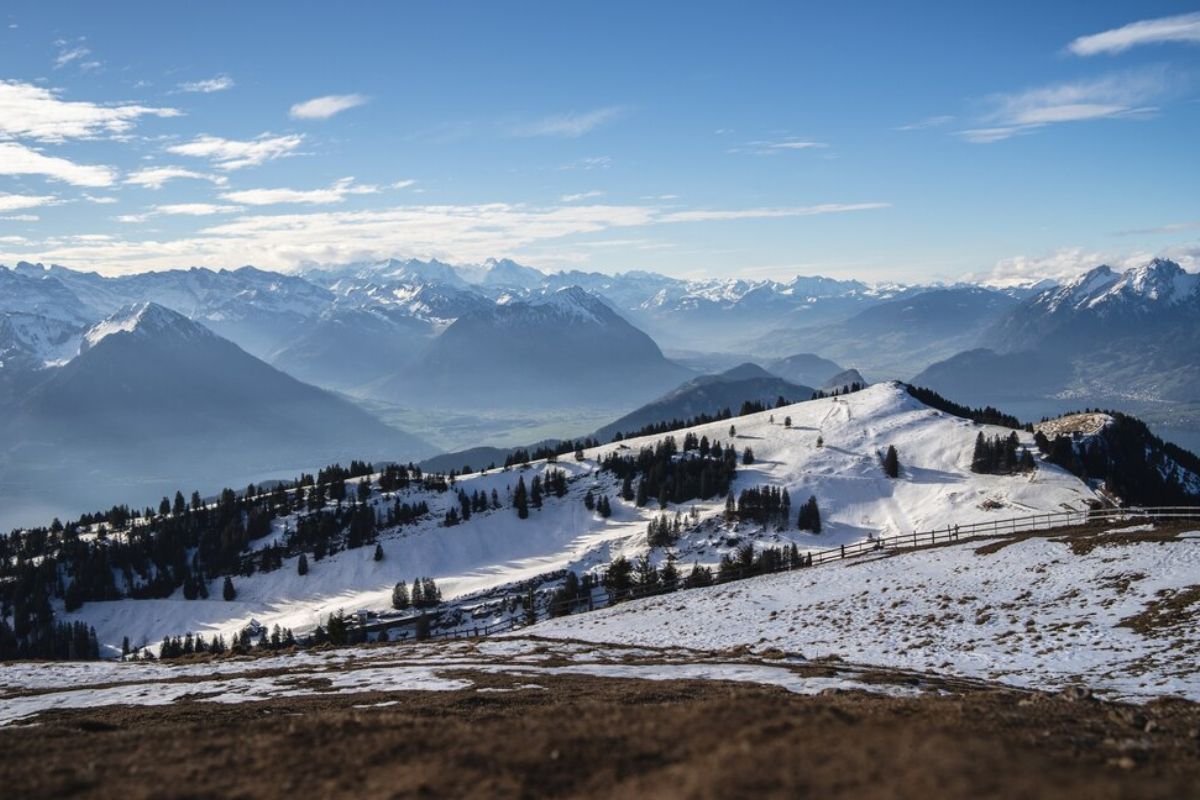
point(884, 141)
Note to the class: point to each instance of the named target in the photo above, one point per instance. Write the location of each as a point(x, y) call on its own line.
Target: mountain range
point(429, 337)
point(1126, 339)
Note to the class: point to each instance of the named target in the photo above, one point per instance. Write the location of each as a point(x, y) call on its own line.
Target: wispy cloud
point(34, 112)
point(1174, 227)
point(21, 218)
point(231, 154)
point(17, 159)
point(180, 209)
point(451, 232)
point(404, 184)
point(70, 52)
point(325, 107)
point(575, 198)
point(100, 200)
point(777, 146)
point(716, 215)
point(1066, 263)
point(269, 197)
point(16, 202)
point(928, 122)
point(570, 125)
point(589, 163)
point(1117, 95)
point(217, 84)
point(157, 177)
point(1180, 28)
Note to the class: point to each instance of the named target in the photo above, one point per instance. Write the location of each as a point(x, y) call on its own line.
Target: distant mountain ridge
point(154, 393)
point(1127, 338)
point(708, 395)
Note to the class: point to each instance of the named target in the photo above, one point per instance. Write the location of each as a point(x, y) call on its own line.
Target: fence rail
point(1013, 526)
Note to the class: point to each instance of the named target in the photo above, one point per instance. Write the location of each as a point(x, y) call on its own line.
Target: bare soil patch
point(574, 736)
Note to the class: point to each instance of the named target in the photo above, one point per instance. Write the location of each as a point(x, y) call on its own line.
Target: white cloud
point(67, 54)
point(575, 198)
point(33, 112)
point(717, 215)
point(1181, 28)
point(467, 233)
point(16, 202)
point(589, 163)
point(101, 200)
point(269, 197)
point(775, 147)
point(156, 177)
point(1174, 227)
point(217, 84)
point(230, 154)
point(1066, 263)
point(196, 209)
point(325, 107)
point(404, 184)
point(928, 122)
point(181, 209)
point(1117, 95)
point(17, 159)
point(21, 218)
point(571, 125)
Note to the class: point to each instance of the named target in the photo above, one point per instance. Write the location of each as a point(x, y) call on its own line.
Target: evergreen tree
point(302, 565)
point(378, 552)
point(227, 591)
point(521, 499)
point(400, 596)
point(810, 516)
point(891, 462)
point(747, 456)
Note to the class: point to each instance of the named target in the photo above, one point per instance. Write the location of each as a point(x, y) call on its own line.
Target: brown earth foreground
point(580, 736)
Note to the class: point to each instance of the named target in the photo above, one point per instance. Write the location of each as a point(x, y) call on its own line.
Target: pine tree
point(810, 516)
point(302, 565)
point(227, 591)
point(747, 456)
point(378, 552)
point(521, 499)
point(530, 608)
point(891, 462)
point(400, 599)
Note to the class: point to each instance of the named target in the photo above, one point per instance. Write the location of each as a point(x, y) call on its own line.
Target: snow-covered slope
point(1040, 612)
point(496, 548)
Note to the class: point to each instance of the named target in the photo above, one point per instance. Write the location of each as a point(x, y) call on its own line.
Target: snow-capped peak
point(575, 301)
point(144, 319)
point(1160, 279)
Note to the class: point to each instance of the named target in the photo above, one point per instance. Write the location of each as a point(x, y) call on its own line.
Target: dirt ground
point(612, 738)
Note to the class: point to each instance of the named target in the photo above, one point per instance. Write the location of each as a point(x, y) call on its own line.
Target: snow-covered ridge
point(496, 548)
point(1158, 281)
point(144, 319)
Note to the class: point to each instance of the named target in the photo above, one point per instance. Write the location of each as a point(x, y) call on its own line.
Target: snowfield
point(495, 548)
point(1037, 612)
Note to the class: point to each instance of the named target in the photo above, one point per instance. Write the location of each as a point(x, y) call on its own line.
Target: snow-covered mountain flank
point(830, 449)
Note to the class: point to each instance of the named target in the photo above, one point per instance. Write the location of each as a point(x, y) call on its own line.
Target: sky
point(882, 141)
